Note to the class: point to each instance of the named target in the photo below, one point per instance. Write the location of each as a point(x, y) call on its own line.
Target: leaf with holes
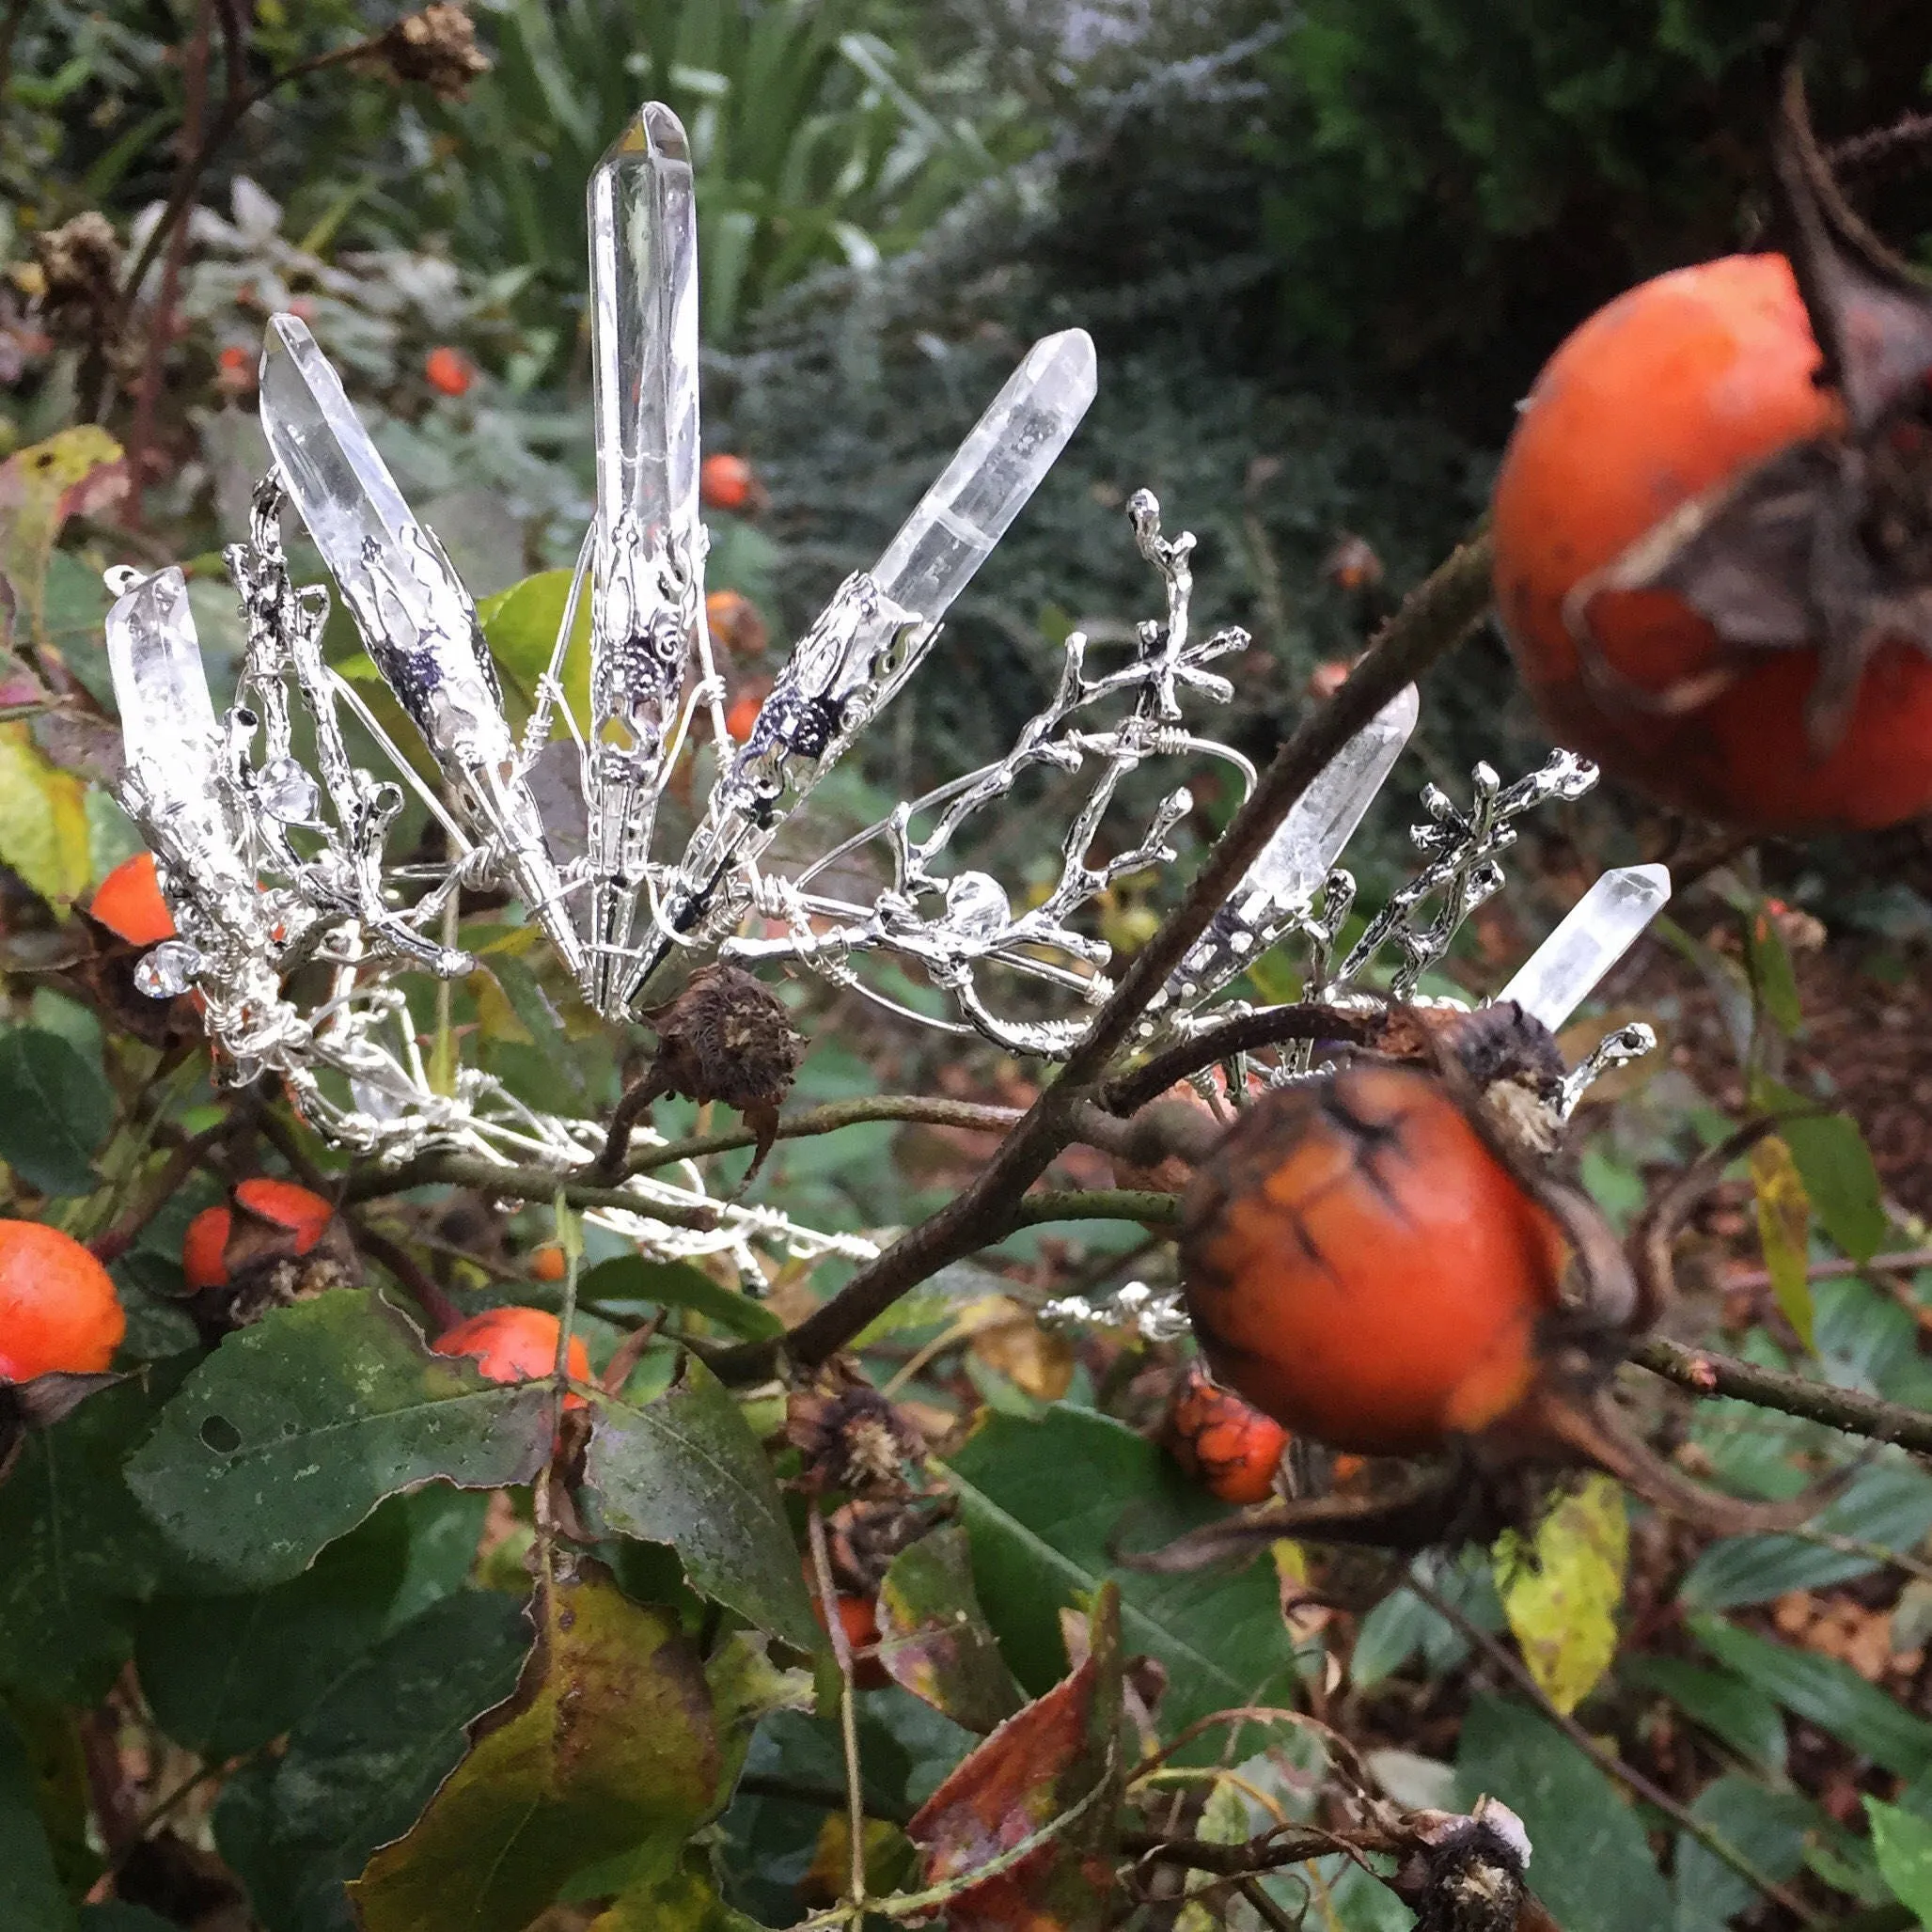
point(688, 1471)
point(1055, 1766)
point(608, 1744)
point(935, 1640)
point(292, 1431)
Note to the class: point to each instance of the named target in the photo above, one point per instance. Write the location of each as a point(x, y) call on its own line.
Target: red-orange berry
point(515, 1344)
point(128, 902)
point(202, 1248)
point(449, 372)
point(547, 1263)
point(733, 620)
point(1362, 1267)
point(58, 1308)
point(726, 482)
point(1226, 1444)
point(302, 1213)
point(743, 716)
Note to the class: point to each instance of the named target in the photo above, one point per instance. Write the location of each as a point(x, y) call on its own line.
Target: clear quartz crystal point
point(159, 687)
point(1597, 930)
point(409, 604)
point(647, 551)
point(871, 637)
point(1296, 861)
point(173, 784)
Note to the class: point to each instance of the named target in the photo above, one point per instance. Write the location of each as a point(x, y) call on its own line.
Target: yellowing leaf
point(73, 474)
point(1561, 1590)
point(43, 819)
point(1784, 1223)
point(608, 1744)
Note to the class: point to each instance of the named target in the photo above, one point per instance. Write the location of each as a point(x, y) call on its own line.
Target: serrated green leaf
point(1767, 1828)
point(678, 1284)
point(56, 1111)
point(1888, 1506)
point(1903, 1846)
point(1043, 1502)
point(1561, 1590)
point(1725, 1705)
point(80, 1554)
point(1784, 1225)
point(366, 1759)
point(933, 1635)
point(1824, 1693)
point(608, 1743)
point(686, 1470)
point(223, 1675)
point(1592, 1867)
point(292, 1431)
point(30, 1890)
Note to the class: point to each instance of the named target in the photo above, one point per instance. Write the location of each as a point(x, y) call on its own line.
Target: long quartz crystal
point(643, 228)
point(172, 786)
point(878, 627)
point(1296, 861)
point(408, 602)
point(1596, 932)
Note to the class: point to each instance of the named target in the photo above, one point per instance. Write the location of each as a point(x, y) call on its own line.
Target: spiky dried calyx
point(1468, 1874)
point(436, 49)
point(850, 1438)
point(725, 1037)
point(80, 273)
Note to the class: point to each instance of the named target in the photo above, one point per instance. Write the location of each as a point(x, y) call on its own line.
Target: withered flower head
point(437, 49)
point(80, 273)
point(850, 1436)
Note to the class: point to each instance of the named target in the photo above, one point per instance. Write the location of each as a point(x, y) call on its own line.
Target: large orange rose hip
point(1360, 1267)
point(1678, 386)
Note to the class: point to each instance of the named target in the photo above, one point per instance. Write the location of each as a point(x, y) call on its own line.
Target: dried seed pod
point(727, 1037)
point(1468, 1874)
point(274, 1244)
point(850, 1438)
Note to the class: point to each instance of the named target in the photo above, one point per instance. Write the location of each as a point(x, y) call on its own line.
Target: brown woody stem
point(1432, 621)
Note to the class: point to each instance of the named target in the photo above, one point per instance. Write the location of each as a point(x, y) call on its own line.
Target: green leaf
point(684, 1901)
point(79, 1552)
point(520, 626)
point(30, 1892)
point(607, 1743)
point(1771, 974)
point(1561, 1591)
point(1592, 1867)
point(224, 1674)
point(364, 1762)
point(1836, 1168)
point(686, 1470)
point(1890, 1505)
point(678, 1284)
point(1824, 1693)
point(1903, 1844)
point(934, 1638)
point(292, 1431)
point(1767, 1828)
point(1044, 1501)
point(54, 1111)
point(1784, 1225)
point(1726, 1706)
